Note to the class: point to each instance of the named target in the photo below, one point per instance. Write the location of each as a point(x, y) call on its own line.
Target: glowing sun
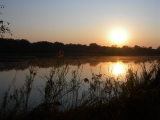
point(118, 36)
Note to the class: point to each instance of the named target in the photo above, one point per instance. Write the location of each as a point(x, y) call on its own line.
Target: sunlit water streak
point(118, 69)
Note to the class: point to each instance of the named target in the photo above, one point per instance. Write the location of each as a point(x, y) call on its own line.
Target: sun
point(118, 36)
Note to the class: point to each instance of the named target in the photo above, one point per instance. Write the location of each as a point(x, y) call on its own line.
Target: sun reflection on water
point(118, 68)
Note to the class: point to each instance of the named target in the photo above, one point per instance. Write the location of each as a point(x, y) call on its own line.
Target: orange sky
point(84, 22)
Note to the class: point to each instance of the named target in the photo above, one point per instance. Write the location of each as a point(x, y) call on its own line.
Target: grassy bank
point(136, 98)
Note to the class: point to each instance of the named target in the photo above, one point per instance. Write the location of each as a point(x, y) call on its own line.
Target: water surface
point(17, 69)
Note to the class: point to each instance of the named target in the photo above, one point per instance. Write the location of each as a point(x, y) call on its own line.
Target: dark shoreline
point(19, 57)
point(23, 62)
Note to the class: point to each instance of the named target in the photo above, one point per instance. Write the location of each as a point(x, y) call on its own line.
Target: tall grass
point(15, 100)
point(137, 97)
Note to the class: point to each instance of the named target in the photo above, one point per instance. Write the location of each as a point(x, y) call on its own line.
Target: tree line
point(24, 47)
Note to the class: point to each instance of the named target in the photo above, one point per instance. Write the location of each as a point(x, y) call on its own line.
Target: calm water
point(13, 68)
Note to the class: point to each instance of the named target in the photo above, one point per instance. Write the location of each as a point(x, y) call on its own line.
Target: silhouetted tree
point(93, 45)
point(158, 48)
point(57, 46)
point(94, 48)
point(150, 47)
point(9, 46)
point(125, 46)
point(4, 26)
point(137, 47)
point(114, 46)
point(42, 47)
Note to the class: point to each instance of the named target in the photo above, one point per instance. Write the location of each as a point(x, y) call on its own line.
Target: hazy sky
point(83, 21)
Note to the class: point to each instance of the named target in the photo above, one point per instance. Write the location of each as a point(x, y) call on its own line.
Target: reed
point(15, 100)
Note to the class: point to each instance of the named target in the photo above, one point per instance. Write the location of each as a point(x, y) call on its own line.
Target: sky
point(83, 21)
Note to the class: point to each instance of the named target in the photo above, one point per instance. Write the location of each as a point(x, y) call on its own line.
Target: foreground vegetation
point(136, 98)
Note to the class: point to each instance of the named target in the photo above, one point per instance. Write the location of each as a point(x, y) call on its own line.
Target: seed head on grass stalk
point(29, 84)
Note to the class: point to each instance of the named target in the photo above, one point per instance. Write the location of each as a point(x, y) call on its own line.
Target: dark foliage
point(4, 26)
point(24, 47)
